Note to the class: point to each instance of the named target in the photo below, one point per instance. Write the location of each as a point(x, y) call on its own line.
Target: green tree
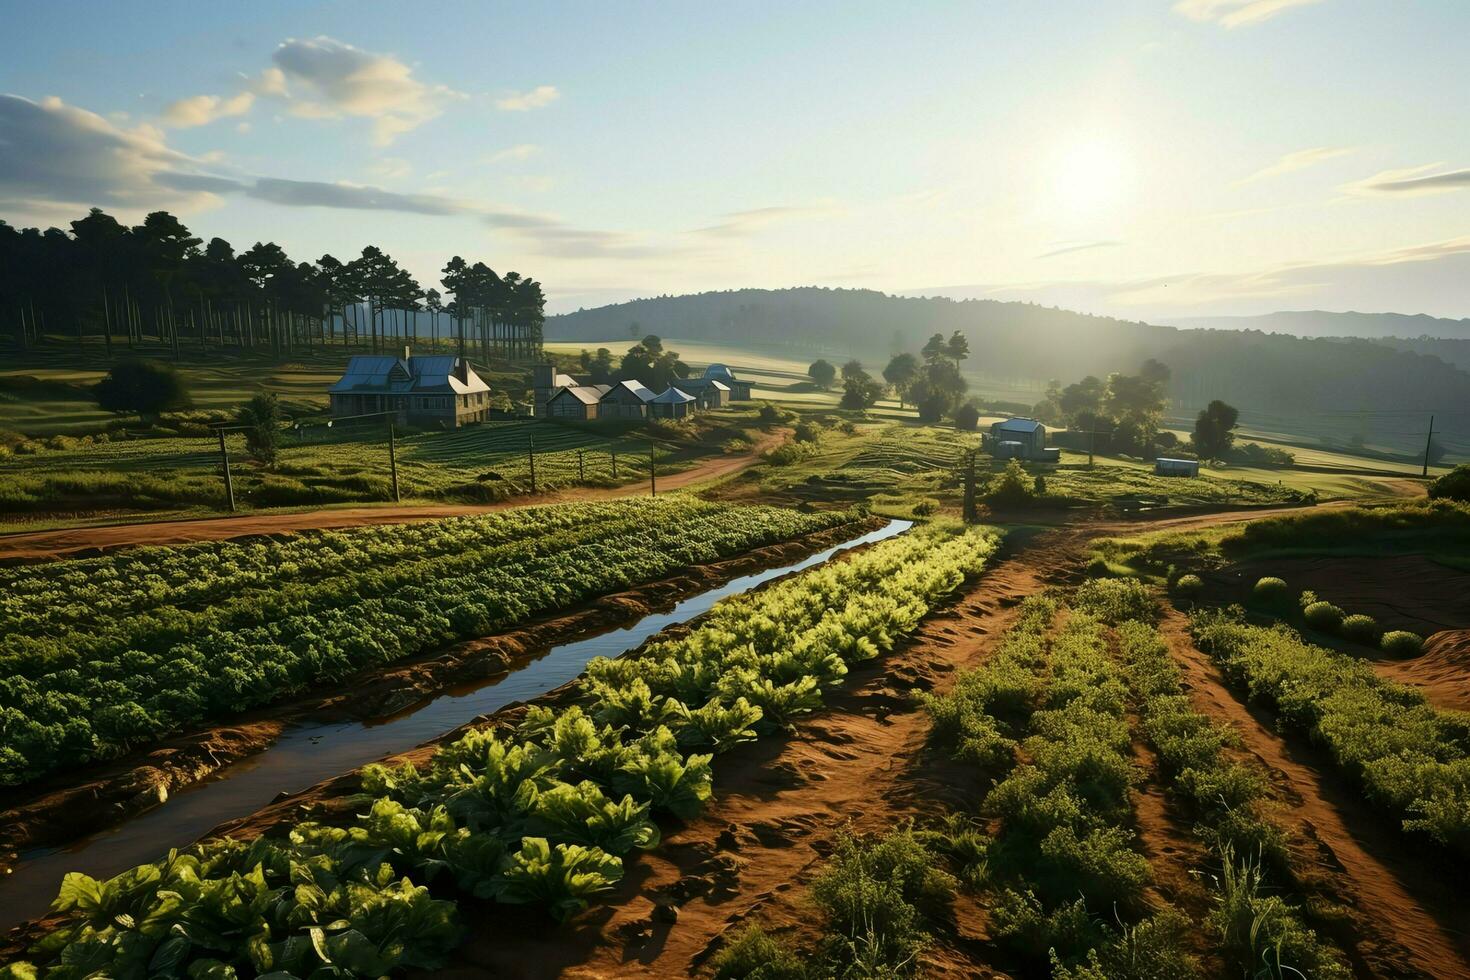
point(822, 373)
point(853, 370)
point(935, 349)
point(860, 393)
point(967, 417)
point(143, 388)
point(1214, 430)
point(262, 417)
point(958, 347)
point(901, 371)
point(937, 391)
point(1454, 485)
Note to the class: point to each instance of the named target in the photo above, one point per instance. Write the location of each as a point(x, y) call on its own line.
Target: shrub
point(1306, 598)
point(1401, 643)
point(1010, 488)
point(1454, 485)
point(926, 507)
point(1271, 591)
point(808, 431)
point(754, 955)
point(1323, 616)
point(1188, 586)
point(145, 388)
point(1363, 629)
point(769, 414)
point(1114, 600)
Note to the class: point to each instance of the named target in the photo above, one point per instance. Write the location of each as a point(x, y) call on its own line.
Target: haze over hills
point(1322, 323)
point(1317, 388)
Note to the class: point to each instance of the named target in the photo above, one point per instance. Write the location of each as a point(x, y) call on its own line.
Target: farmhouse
point(577, 402)
point(625, 400)
point(1021, 438)
point(671, 404)
point(438, 390)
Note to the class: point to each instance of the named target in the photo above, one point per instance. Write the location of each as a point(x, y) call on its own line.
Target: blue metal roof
point(718, 371)
point(1018, 425)
point(386, 374)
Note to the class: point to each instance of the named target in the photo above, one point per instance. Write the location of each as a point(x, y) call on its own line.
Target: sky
point(1150, 159)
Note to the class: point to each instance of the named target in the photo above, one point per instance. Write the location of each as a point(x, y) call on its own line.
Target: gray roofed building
point(440, 389)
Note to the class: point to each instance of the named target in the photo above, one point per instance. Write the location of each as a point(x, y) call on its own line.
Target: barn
point(739, 390)
point(625, 400)
point(707, 392)
point(1021, 438)
point(440, 390)
point(580, 402)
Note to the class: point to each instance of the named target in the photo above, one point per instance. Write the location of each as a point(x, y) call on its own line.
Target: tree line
point(157, 282)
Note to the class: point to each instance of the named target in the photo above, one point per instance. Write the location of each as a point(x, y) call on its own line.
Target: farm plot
point(102, 655)
point(540, 813)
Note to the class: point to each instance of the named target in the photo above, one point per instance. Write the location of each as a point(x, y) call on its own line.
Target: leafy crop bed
point(99, 655)
point(1413, 759)
point(541, 813)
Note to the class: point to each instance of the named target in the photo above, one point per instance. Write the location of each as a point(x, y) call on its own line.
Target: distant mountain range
point(1321, 323)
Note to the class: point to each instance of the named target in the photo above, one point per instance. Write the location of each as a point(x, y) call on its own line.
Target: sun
point(1087, 175)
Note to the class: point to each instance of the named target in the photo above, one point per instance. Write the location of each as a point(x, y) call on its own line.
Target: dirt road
point(70, 542)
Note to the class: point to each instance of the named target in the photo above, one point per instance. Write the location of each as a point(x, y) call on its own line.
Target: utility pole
point(224, 455)
point(393, 461)
point(531, 454)
point(1428, 442)
point(652, 476)
point(1091, 442)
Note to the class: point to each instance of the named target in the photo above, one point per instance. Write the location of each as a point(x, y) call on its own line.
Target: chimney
point(407, 352)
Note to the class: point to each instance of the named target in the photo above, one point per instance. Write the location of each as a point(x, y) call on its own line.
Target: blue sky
point(1150, 158)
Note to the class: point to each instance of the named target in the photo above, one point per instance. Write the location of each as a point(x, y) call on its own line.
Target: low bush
point(1360, 628)
point(751, 954)
point(1271, 591)
point(1188, 586)
point(1454, 485)
point(1401, 643)
point(1323, 616)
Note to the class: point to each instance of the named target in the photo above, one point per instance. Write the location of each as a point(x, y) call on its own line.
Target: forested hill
point(1320, 323)
point(1300, 383)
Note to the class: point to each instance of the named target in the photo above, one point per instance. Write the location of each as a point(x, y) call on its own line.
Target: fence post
point(393, 461)
point(1428, 444)
point(652, 466)
point(970, 488)
point(614, 454)
point(224, 455)
point(531, 452)
point(581, 470)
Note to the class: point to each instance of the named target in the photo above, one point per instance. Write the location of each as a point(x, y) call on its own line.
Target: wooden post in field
point(224, 455)
point(1091, 442)
point(393, 460)
point(970, 515)
point(652, 476)
point(1428, 442)
point(531, 454)
point(581, 470)
point(614, 454)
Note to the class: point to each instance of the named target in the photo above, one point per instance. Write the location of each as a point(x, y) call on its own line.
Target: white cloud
point(1412, 181)
point(741, 223)
point(1236, 13)
point(324, 78)
point(56, 157)
point(199, 110)
point(391, 168)
point(521, 151)
point(541, 95)
point(1294, 161)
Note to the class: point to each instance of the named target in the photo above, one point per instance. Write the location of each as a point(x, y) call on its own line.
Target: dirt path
point(1404, 912)
point(779, 807)
point(72, 542)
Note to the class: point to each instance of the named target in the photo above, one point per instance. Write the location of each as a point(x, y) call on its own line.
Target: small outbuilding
point(625, 400)
point(739, 390)
point(580, 402)
point(1167, 466)
point(671, 404)
point(707, 392)
point(1021, 438)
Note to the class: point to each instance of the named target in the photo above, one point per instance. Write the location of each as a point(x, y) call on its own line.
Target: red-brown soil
point(1401, 912)
point(1442, 671)
point(1409, 592)
point(82, 541)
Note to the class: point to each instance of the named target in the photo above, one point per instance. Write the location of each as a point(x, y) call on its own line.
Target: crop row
point(83, 694)
point(1412, 759)
point(540, 813)
point(1258, 932)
